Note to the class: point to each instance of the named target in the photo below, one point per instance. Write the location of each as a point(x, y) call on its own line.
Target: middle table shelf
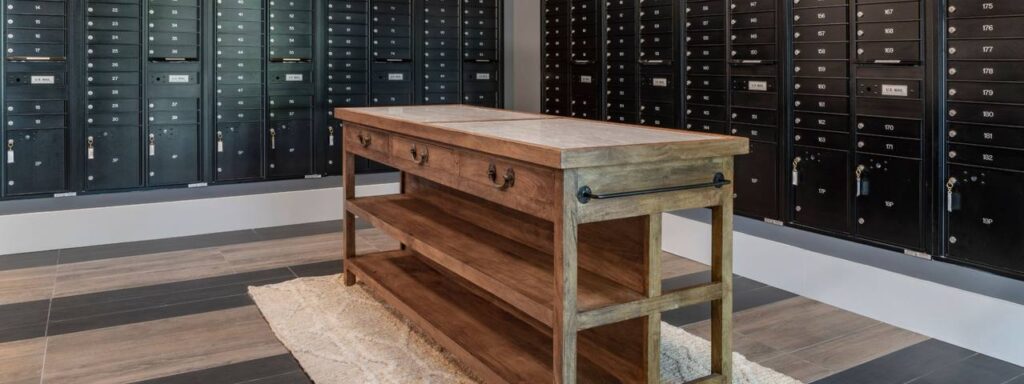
point(511, 270)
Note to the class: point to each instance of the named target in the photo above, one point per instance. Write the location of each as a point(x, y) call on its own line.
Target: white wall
point(29, 232)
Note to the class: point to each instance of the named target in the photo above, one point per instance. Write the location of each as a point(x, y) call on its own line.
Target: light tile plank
point(797, 323)
point(137, 271)
point(160, 348)
point(860, 347)
point(22, 361)
point(797, 368)
point(28, 284)
point(675, 266)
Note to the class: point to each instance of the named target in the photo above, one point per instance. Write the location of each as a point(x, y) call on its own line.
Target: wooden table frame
point(568, 215)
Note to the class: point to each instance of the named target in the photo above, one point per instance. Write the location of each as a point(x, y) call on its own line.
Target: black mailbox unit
point(290, 89)
point(555, 86)
point(173, 96)
point(185, 93)
point(440, 51)
point(113, 117)
point(621, 66)
point(586, 59)
point(239, 97)
point(985, 153)
point(821, 135)
point(35, 132)
point(755, 102)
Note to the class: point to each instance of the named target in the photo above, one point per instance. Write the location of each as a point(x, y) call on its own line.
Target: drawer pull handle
point(418, 157)
point(508, 181)
point(584, 194)
point(365, 140)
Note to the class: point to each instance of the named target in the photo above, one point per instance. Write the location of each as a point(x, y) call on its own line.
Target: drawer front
point(507, 182)
point(367, 142)
point(418, 157)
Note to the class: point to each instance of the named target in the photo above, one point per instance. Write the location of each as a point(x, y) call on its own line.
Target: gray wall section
point(523, 55)
point(961, 277)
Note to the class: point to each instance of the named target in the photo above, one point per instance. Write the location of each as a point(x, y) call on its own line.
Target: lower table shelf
point(494, 343)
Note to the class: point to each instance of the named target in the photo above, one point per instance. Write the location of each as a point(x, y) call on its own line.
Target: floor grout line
point(1014, 378)
point(49, 311)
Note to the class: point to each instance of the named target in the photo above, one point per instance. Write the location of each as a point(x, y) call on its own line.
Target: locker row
point(856, 130)
point(192, 92)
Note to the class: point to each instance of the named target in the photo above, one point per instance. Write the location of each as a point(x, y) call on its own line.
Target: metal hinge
point(66, 194)
point(315, 176)
point(775, 222)
point(917, 254)
point(198, 185)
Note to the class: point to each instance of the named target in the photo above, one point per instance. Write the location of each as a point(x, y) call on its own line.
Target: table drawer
point(367, 142)
point(418, 157)
point(507, 182)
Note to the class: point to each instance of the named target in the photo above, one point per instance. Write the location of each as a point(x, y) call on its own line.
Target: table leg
point(652, 325)
point(564, 330)
point(349, 234)
point(721, 271)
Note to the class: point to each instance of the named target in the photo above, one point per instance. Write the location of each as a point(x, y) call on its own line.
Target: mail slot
point(817, 3)
point(753, 36)
point(889, 51)
point(753, 20)
point(993, 135)
point(901, 30)
point(1010, 159)
point(889, 12)
point(820, 68)
point(113, 78)
point(36, 21)
point(239, 103)
point(110, 92)
point(820, 51)
point(36, 50)
point(709, 126)
point(706, 82)
point(889, 126)
point(821, 86)
point(240, 14)
point(984, 71)
point(704, 23)
point(887, 145)
point(173, 51)
point(816, 103)
point(698, 9)
point(820, 33)
point(985, 113)
point(762, 52)
point(121, 24)
point(37, 36)
point(814, 16)
point(821, 139)
point(694, 53)
point(755, 132)
point(705, 68)
point(986, 92)
point(740, 6)
point(821, 121)
point(35, 121)
point(1003, 27)
point(985, 49)
point(972, 8)
point(173, 12)
point(112, 119)
point(111, 51)
point(34, 107)
point(348, 30)
point(22, 7)
point(108, 37)
point(705, 97)
point(707, 112)
point(754, 116)
point(230, 27)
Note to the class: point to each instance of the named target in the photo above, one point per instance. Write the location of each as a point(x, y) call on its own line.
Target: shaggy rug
point(343, 335)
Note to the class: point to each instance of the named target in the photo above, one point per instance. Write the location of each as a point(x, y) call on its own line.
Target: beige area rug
point(343, 335)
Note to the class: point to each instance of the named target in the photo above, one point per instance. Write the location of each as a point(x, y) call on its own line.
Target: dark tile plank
point(747, 294)
point(299, 230)
point(28, 260)
point(324, 268)
point(147, 314)
point(904, 365)
point(92, 304)
point(978, 369)
point(100, 252)
point(1017, 380)
point(23, 332)
point(20, 315)
point(274, 369)
point(294, 377)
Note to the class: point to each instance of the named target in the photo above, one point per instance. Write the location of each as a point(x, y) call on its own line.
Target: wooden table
point(531, 244)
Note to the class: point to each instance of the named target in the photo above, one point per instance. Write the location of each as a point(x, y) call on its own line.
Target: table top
point(551, 141)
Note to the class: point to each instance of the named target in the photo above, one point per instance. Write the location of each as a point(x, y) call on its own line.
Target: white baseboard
point(970, 320)
point(42, 231)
